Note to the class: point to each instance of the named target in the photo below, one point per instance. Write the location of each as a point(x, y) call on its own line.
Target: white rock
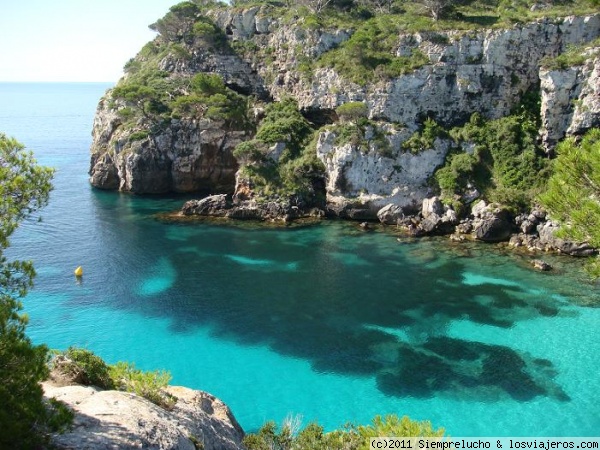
point(119, 420)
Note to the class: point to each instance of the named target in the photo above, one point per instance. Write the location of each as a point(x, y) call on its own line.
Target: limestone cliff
point(571, 98)
point(175, 145)
point(115, 419)
point(188, 155)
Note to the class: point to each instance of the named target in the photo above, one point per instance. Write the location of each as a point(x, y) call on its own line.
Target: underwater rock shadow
point(470, 370)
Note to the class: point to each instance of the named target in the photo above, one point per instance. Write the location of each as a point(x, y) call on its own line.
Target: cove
point(326, 321)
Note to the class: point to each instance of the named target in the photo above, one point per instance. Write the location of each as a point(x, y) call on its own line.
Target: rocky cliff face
point(570, 99)
point(187, 156)
point(483, 71)
point(360, 182)
point(115, 419)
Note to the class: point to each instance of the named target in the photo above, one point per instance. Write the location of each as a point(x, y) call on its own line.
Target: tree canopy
point(573, 194)
point(24, 188)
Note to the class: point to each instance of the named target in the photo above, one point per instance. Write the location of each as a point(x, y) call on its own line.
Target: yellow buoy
point(79, 271)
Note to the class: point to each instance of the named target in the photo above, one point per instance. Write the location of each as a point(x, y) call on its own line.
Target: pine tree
point(573, 195)
point(24, 188)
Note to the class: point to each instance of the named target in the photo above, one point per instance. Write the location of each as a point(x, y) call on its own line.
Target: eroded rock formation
point(115, 419)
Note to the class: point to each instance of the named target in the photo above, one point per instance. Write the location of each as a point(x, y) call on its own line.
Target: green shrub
point(208, 84)
point(284, 123)
point(507, 165)
point(313, 437)
point(132, 66)
point(209, 34)
point(369, 53)
point(177, 24)
point(84, 367)
point(138, 136)
point(456, 174)
point(352, 134)
point(188, 105)
point(574, 56)
point(149, 385)
point(126, 113)
point(180, 51)
point(424, 139)
point(60, 416)
point(352, 111)
point(249, 152)
point(298, 168)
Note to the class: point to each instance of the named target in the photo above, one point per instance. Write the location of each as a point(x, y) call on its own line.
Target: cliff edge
point(106, 419)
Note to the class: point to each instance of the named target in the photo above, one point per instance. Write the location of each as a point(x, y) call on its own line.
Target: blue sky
point(73, 40)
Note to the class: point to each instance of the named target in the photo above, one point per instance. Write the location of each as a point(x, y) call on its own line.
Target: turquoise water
point(327, 322)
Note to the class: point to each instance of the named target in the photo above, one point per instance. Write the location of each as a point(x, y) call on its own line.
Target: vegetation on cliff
point(313, 436)
point(84, 367)
point(280, 160)
point(504, 162)
point(369, 54)
point(574, 56)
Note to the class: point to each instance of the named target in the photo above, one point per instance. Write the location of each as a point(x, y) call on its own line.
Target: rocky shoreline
point(485, 222)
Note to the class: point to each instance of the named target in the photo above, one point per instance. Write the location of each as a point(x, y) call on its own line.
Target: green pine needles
point(573, 193)
point(24, 417)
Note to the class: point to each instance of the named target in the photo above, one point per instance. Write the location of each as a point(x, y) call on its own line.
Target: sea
point(325, 323)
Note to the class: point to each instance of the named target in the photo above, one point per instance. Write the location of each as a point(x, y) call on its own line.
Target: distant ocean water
point(327, 322)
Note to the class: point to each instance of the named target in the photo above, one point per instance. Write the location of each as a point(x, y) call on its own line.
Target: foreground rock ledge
point(120, 420)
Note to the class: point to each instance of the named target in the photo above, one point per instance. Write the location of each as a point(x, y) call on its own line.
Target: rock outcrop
point(570, 99)
point(187, 156)
point(367, 180)
point(115, 419)
point(276, 210)
point(543, 237)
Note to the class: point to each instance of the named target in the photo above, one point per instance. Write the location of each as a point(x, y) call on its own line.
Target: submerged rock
point(541, 265)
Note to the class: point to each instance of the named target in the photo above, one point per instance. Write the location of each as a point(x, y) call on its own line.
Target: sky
point(73, 40)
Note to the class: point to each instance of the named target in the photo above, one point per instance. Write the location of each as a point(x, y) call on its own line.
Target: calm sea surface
point(327, 322)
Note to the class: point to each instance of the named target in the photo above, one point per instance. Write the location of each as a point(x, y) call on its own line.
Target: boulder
point(480, 209)
point(390, 214)
point(550, 241)
point(490, 222)
point(105, 175)
point(431, 206)
point(440, 222)
point(213, 205)
point(492, 229)
point(245, 213)
point(113, 419)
